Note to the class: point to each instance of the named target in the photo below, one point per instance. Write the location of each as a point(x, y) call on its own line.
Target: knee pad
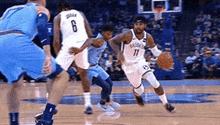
point(139, 90)
point(151, 79)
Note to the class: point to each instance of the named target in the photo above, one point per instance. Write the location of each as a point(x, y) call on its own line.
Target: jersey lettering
point(73, 22)
point(136, 52)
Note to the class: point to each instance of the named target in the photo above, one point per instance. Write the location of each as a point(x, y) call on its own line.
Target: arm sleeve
point(156, 52)
point(42, 29)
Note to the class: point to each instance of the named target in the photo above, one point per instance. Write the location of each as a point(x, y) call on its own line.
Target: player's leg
point(13, 100)
point(149, 76)
point(86, 90)
point(113, 104)
point(105, 92)
point(33, 66)
point(14, 74)
point(135, 79)
point(82, 64)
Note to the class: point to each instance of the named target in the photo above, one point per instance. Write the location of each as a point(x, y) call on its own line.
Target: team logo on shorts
point(146, 67)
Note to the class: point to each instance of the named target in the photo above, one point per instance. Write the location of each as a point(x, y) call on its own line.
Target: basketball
point(165, 61)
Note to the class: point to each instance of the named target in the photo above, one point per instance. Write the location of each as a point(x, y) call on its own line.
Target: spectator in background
point(199, 19)
point(209, 65)
point(215, 37)
point(217, 59)
point(197, 66)
point(216, 48)
point(198, 34)
point(193, 40)
point(189, 61)
point(198, 49)
point(206, 37)
point(204, 49)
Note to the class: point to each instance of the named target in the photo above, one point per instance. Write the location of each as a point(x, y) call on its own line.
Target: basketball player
point(75, 29)
point(18, 26)
point(135, 42)
point(96, 74)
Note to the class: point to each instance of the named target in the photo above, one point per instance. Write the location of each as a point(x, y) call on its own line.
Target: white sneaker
point(114, 105)
point(105, 107)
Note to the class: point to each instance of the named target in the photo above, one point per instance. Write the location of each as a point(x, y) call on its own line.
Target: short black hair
point(140, 18)
point(63, 4)
point(107, 27)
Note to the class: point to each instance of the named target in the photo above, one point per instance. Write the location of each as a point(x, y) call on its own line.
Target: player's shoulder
point(127, 33)
point(148, 35)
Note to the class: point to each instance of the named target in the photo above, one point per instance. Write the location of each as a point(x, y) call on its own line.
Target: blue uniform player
point(19, 55)
point(96, 74)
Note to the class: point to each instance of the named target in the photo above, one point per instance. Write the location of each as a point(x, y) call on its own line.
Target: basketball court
point(197, 103)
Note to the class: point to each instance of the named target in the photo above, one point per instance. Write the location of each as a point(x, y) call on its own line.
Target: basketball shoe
point(43, 122)
point(39, 116)
point(139, 100)
point(114, 105)
point(105, 107)
point(170, 108)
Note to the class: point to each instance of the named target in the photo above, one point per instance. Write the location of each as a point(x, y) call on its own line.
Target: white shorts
point(65, 59)
point(135, 71)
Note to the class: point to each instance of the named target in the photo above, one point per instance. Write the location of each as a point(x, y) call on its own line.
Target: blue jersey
point(95, 53)
point(21, 18)
point(18, 53)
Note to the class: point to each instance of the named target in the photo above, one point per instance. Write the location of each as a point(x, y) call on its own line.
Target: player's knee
point(139, 90)
point(151, 79)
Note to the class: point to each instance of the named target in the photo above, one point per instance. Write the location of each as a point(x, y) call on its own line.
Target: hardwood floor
point(197, 103)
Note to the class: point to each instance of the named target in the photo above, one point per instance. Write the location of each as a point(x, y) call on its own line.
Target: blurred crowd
point(204, 60)
point(205, 38)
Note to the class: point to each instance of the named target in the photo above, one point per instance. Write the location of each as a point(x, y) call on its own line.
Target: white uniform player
point(75, 30)
point(135, 42)
point(134, 59)
point(73, 35)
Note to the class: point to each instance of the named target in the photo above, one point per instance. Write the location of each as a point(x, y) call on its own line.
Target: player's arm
point(125, 37)
point(156, 52)
point(56, 34)
point(96, 42)
point(87, 26)
point(43, 16)
point(122, 37)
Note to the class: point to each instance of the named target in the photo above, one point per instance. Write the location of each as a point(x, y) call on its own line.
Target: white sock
point(87, 98)
point(163, 98)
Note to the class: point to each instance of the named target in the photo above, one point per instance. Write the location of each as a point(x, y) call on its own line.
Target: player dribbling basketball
point(134, 42)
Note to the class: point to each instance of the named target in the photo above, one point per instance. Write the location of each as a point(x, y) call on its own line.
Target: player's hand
point(120, 58)
point(47, 67)
point(74, 50)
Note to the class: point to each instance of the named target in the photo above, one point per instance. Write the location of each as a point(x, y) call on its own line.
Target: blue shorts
point(18, 55)
point(96, 71)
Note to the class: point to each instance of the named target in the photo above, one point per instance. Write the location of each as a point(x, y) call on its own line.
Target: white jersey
point(73, 28)
point(135, 50)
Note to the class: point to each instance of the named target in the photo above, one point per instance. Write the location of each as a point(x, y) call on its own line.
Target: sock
point(87, 98)
point(48, 112)
point(14, 118)
point(163, 98)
